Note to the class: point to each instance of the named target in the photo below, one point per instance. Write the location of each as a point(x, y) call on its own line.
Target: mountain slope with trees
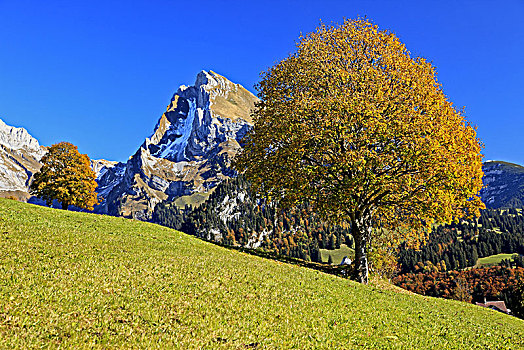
point(233, 216)
point(459, 245)
point(446, 266)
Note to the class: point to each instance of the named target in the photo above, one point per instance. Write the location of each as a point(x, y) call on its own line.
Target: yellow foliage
point(353, 124)
point(66, 176)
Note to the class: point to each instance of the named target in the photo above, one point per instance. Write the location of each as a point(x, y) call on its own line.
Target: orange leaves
point(66, 176)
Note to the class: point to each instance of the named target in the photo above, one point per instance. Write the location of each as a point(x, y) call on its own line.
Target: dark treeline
point(234, 217)
point(459, 245)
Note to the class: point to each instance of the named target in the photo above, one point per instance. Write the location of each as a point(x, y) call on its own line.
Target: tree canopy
point(353, 124)
point(66, 176)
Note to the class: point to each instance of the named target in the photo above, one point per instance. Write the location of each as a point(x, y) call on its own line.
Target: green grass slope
point(493, 259)
point(79, 280)
point(337, 254)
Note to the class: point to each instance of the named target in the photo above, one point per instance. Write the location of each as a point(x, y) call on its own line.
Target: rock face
point(189, 152)
point(20, 155)
point(504, 185)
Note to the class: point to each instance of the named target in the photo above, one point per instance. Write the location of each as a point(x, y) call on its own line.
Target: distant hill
point(76, 280)
point(504, 185)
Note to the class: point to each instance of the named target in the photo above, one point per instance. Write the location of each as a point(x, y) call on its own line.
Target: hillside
point(74, 279)
point(459, 245)
point(231, 215)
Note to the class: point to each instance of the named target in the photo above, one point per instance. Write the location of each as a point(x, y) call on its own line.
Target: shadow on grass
point(343, 271)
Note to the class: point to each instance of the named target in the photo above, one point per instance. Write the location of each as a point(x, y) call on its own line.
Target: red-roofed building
point(495, 305)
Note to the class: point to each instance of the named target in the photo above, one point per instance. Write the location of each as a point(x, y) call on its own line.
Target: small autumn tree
point(66, 176)
point(354, 125)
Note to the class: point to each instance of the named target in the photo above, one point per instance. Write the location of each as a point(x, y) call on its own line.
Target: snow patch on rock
point(182, 132)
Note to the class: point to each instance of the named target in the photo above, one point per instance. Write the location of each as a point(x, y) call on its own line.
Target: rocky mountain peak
point(203, 78)
point(20, 155)
point(201, 116)
point(215, 84)
point(18, 138)
point(190, 150)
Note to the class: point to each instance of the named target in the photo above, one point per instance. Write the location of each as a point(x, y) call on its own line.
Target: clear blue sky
point(100, 73)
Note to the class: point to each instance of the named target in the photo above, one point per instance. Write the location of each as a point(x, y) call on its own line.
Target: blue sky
point(99, 74)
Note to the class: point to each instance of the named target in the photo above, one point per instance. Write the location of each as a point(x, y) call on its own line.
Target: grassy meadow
point(75, 280)
point(337, 254)
point(493, 259)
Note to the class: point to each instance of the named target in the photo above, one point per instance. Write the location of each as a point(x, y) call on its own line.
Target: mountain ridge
point(20, 155)
point(189, 153)
point(503, 185)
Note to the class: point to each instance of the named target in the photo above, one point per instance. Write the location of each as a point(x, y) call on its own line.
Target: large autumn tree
point(66, 176)
point(354, 125)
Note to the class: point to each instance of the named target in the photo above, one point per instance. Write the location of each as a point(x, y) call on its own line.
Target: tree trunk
point(65, 206)
point(361, 231)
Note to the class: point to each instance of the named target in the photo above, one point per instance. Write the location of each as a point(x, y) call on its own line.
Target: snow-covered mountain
point(503, 185)
point(189, 152)
point(20, 155)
